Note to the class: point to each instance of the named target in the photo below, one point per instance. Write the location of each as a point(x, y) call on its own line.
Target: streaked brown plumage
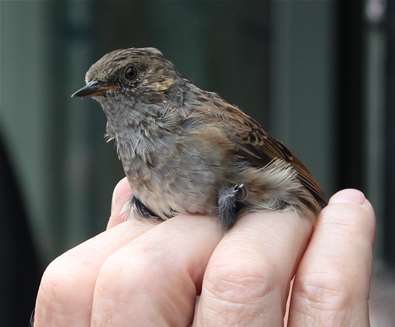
point(186, 150)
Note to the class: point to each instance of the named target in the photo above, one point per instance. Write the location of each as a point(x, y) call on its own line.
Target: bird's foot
point(229, 204)
point(142, 210)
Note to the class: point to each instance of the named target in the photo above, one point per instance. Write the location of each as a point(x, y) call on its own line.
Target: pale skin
point(141, 273)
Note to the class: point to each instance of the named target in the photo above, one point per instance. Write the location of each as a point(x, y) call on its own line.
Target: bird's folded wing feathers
point(254, 145)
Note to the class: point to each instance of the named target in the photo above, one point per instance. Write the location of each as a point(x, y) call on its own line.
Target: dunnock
point(187, 150)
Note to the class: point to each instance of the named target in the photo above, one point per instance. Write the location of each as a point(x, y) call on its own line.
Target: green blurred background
point(319, 75)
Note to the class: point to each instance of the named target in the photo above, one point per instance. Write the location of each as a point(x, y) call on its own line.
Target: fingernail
point(348, 196)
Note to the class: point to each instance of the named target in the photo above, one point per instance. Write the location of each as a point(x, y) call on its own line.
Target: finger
point(332, 282)
point(66, 290)
point(153, 281)
point(247, 278)
point(121, 195)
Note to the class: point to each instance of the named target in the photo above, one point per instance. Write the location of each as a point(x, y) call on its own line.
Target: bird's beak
point(93, 88)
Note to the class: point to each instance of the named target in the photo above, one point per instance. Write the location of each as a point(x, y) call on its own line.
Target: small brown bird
point(187, 150)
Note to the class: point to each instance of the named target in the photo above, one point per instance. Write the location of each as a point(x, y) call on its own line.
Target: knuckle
point(133, 279)
point(244, 284)
point(357, 220)
point(347, 214)
point(325, 291)
point(344, 219)
point(62, 278)
point(121, 273)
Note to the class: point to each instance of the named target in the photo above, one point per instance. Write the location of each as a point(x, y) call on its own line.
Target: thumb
point(121, 196)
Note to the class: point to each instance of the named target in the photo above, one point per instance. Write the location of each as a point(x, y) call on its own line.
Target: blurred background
point(319, 75)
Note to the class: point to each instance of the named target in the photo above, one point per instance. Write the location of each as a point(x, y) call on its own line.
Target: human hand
point(142, 273)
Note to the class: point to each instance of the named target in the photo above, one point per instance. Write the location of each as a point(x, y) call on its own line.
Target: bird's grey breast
point(170, 173)
point(170, 170)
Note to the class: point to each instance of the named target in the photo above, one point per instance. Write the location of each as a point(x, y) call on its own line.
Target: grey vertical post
point(23, 105)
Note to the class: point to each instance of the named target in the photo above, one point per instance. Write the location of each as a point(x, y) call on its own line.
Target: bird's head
point(135, 74)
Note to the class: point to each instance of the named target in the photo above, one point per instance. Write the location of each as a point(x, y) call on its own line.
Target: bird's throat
point(137, 129)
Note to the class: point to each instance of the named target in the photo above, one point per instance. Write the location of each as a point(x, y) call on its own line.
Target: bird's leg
point(229, 204)
point(141, 209)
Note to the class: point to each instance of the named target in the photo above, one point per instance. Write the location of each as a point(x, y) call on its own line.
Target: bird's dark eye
point(130, 73)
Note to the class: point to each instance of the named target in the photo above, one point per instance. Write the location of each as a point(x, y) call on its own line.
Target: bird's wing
point(256, 146)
